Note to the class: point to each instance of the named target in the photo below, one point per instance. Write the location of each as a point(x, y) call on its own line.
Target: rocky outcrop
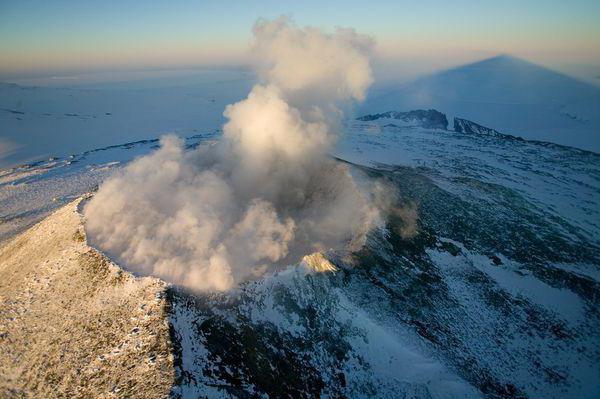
point(317, 262)
point(469, 127)
point(430, 119)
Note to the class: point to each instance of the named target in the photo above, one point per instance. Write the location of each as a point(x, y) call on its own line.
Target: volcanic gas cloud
point(267, 193)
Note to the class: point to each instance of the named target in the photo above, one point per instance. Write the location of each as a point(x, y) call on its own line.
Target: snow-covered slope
point(562, 181)
point(72, 324)
point(495, 296)
point(511, 95)
point(31, 191)
point(37, 122)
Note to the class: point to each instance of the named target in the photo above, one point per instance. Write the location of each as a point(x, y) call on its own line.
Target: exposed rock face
point(73, 324)
point(430, 119)
point(319, 263)
point(469, 127)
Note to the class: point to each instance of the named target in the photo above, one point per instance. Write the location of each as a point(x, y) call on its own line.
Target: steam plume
point(266, 193)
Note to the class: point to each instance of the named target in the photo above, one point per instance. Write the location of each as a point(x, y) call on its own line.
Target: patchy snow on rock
point(73, 323)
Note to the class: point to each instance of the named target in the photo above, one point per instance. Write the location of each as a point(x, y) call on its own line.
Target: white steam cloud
point(267, 193)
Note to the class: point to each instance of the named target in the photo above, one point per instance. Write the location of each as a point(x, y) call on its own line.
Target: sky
point(60, 37)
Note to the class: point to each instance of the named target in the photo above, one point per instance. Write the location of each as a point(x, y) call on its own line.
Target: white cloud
point(267, 193)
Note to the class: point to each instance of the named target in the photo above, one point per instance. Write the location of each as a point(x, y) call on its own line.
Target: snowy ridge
point(430, 119)
point(466, 126)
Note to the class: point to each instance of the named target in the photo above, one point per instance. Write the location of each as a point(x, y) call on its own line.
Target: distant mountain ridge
point(434, 119)
point(431, 118)
point(508, 93)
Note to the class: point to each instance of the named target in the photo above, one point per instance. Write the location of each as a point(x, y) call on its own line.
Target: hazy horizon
point(385, 70)
point(63, 38)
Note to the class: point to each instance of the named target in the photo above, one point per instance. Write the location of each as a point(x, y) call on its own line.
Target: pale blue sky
point(37, 35)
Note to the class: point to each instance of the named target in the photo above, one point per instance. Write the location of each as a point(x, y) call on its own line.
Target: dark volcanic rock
point(430, 119)
point(467, 126)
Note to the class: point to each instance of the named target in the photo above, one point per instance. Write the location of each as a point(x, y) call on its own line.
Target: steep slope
point(491, 295)
point(72, 324)
point(466, 126)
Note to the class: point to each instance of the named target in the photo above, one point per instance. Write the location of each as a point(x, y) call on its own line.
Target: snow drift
point(267, 193)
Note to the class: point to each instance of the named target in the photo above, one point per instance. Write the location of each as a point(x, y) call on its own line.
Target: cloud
point(267, 193)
